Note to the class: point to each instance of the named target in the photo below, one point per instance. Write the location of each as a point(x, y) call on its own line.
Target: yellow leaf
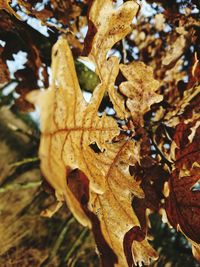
point(69, 125)
point(74, 138)
point(109, 25)
point(139, 88)
point(175, 50)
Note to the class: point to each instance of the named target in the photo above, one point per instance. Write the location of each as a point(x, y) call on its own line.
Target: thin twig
point(165, 160)
point(124, 51)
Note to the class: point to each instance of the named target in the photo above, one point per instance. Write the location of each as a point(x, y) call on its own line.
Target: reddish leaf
point(183, 203)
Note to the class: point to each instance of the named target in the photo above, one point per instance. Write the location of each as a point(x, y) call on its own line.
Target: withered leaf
point(186, 109)
point(175, 50)
point(183, 208)
point(139, 89)
point(69, 126)
point(108, 25)
point(75, 137)
point(115, 212)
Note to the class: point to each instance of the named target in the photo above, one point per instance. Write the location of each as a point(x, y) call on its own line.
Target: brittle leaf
point(74, 137)
point(182, 206)
point(113, 208)
point(108, 25)
point(139, 88)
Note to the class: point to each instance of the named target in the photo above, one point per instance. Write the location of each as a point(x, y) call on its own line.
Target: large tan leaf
point(69, 125)
point(75, 137)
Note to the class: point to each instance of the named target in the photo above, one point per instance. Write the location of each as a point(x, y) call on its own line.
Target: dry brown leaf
point(69, 126)
point(114, 210)
point(187, 108)
point(182, 205)
point(75, 137)
point(139, 88)
point(108, 25)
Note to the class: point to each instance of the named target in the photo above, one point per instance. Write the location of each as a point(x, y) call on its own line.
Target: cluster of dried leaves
point(114, 171)
point(19, 36)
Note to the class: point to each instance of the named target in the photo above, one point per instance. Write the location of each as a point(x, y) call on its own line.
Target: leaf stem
point(165, 160)
point(124, 51)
